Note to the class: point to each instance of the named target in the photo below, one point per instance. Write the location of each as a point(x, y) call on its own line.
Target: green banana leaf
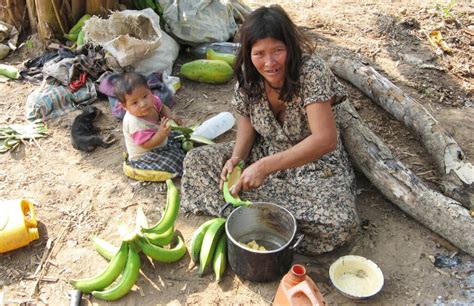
point(11, 135)
point(8, 144)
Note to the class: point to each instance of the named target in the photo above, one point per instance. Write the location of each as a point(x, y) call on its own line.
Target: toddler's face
point(139, 102)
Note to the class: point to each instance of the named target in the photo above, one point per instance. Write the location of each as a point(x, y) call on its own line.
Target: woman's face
point(269, 57)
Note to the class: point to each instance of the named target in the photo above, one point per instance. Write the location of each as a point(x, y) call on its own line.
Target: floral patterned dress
point(320, 194)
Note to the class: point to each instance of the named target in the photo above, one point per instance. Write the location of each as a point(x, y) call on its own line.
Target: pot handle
point(223, 208)
point(298, 242)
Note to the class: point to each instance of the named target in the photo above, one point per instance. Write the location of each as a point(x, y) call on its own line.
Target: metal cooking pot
point(270, 226)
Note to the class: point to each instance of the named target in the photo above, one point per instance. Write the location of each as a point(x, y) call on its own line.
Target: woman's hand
point(228, 167)
point(252, 177)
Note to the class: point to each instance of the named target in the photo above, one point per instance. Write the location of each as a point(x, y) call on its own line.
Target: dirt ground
point(79, 195)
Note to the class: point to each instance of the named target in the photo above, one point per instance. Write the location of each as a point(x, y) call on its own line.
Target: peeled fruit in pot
point(254, 246)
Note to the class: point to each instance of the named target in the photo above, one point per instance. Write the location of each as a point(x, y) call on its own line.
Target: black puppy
point(84, 135)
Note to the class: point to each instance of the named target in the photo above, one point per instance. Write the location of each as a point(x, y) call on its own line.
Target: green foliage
point(446, 10)
point(29, 44)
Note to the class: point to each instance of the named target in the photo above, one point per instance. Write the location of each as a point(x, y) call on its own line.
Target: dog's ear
point(89, 110)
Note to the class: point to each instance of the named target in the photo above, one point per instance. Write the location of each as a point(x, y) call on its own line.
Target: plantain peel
point(232, 179)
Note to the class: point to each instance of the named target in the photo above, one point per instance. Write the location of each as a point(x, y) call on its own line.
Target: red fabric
point(77, 84)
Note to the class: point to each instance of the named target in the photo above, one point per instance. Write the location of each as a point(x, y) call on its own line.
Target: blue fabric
point(53, 100)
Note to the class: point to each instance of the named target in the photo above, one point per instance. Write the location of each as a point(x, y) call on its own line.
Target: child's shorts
point(168, 158)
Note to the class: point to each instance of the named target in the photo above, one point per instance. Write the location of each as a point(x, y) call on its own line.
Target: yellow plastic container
point(18, 226)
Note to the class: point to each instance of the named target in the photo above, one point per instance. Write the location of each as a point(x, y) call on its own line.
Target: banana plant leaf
point(11, 135)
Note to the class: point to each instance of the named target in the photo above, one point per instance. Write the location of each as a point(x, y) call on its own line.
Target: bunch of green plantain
point(125, 260)
point(188, 140)
point(209, 246)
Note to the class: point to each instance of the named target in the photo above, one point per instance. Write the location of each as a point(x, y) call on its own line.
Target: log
point(401, 186)
point(457, 173)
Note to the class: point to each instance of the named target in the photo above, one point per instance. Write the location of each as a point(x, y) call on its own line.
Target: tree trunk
point(48, 24)
point(14, 13)
point(32, 16)
point(101, 7)
point(402, 187)
point(78, 9)
point(457, 172)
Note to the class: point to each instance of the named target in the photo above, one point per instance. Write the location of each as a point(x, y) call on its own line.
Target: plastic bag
point(127, 35)
point(134, 38)
point(161, 59)
point(199, 21)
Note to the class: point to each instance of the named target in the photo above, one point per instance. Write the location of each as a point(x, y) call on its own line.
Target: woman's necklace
point(277, 106)
point(275, 89)
point(273, 95)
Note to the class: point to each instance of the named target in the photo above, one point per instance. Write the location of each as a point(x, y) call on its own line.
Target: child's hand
point(165, 129)
point(159, 136)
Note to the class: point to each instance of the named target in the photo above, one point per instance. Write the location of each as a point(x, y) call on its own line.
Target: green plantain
point(161, 239)
point(209, 243)
point(106, 277)
point(198, 237)
point(232, 179)
point(161, 254)
point(171, 211)
point(220, 258)
point(104, 248)
point(126, 282)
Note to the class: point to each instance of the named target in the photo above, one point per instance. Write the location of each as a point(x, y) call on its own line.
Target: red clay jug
point(296, 288)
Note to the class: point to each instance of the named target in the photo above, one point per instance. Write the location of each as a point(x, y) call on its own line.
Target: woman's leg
point(321, 196)
point(327, 218)
point(200, 191)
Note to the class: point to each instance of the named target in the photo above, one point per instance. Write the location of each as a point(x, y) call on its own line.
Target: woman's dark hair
point(126, 83)
point(270, 22)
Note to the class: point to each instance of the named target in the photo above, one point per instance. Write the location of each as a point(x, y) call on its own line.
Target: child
point(150, 145)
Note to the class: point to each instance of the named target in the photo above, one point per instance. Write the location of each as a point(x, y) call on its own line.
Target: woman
point(287, 136)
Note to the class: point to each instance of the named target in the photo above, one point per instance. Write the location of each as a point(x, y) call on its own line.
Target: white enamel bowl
point(356, 277)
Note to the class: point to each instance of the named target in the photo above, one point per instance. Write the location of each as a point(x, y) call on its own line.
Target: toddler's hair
point(126, 83)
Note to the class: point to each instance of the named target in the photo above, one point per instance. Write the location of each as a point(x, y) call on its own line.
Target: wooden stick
point(51, 279)
point(45, 255)
point(45, 259)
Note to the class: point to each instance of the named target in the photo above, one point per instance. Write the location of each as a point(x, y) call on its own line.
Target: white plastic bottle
point(215, 126)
